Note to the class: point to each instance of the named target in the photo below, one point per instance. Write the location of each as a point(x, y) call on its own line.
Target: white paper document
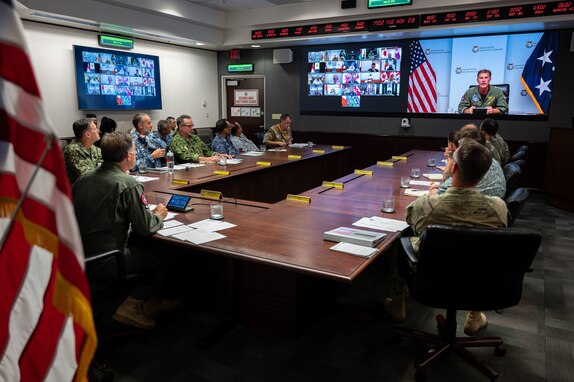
point(432, 176)
point(253, 153)
point(277, 150)
point(171, 224)
point(298, 145)
point(383, 224)
point(174, 230)
point(170, 215)
point(420, 183)
point(354, 249)
point(143, 179)
point(198, 236)
point(210, 225)
point(413, 192)
point(183, 166)
point(234, 161)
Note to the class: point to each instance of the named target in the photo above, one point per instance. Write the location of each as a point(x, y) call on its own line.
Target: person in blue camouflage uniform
point(81, 155)
point(146, 152)
point(483, 96)
point(222, 141)
point(188, 147)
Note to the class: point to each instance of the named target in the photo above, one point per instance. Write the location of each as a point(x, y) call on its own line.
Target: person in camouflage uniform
point(461, 205)
point(279, 134)
point(492, 184)
point(483, 96)
point(188, 147)
point(489, 127)
point(81, 155)
point(146, 152)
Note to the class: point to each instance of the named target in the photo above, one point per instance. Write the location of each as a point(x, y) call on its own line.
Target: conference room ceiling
point(227, 24)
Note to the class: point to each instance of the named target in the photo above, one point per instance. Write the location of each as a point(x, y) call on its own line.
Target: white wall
point(187, 76)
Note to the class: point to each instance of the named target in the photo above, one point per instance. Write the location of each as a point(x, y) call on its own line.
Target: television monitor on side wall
point(116, 80)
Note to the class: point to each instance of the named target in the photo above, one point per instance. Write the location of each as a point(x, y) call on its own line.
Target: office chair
point(458, 268)
point(504, 87)
point(519, 154)
point(105, 294)
point(520, 163)
point(206, 135)
point(511, 174)
point(515, 201)
point(260, 136)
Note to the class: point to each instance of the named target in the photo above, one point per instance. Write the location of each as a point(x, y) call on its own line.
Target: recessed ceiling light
point(199, 43)
point(256, 46)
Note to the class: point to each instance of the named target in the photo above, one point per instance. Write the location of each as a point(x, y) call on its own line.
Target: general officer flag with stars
point(538, 72)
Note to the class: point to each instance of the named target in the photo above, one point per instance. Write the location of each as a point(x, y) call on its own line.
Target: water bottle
point(169, 160)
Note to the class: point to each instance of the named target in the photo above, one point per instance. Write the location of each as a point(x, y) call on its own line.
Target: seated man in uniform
point(188, 147)
point(492, 184)
point(489, 127)
point(483, 96)
point(279, 134)
point(81, 155)
point(111, 205)
point(222, 141)
point(146, 153)
point(461, 205)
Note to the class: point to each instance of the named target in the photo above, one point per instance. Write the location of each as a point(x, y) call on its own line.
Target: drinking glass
point(405, 181)
point(415, 172)
point(216, 211)
point(388, 205)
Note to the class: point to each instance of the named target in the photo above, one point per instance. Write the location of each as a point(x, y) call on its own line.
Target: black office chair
point(511, 174)
point(206, 135)
point(519, 154)
point(260, 136)
point(476, 269)
point(515, 201)
point(504, 87)
point(105, 294)
point(520, 163)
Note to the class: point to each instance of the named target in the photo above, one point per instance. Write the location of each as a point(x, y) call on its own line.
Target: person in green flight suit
point(483, 96)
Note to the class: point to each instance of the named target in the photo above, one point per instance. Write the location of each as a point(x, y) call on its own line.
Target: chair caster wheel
point(500, 351)
point(420, 376)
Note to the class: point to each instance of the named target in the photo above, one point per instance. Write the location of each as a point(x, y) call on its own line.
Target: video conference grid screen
point(116, 80)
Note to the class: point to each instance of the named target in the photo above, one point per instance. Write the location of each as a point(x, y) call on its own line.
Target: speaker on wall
point(346, 4)
point(282, 56)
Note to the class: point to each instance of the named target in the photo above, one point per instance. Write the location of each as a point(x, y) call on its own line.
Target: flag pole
point(49, 141)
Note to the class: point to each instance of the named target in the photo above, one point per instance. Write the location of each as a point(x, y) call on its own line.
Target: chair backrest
point(511, 173)
point(520, 154)
point(515, 200)
point(206, 135)
point(260, 135)
point(520, 163)
point(473, 268)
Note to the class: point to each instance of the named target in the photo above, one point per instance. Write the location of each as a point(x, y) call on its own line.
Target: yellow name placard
point(318, 151)
point(263, 163)
point(221, 172)
point(363, 172)
point(298, 198)
point(179, 181)
point(337, 185)
point(398, 157)
point(387, 164)
point(211, 194)
point(294, 157)
point(338, 147)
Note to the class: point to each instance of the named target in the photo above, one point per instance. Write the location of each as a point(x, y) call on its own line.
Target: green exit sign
point(387, 3)
point(239, 68)
point(116, 42)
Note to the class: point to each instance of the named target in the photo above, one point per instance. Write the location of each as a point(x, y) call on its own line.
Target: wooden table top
point(289, 234)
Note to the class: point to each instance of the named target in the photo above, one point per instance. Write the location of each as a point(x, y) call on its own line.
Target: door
point(244, 103)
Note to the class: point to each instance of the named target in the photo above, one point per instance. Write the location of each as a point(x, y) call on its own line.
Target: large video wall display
point(431, 76)
point(116, 80)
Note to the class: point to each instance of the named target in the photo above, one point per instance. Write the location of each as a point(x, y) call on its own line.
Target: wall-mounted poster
point(246, 97)
point(236, 112)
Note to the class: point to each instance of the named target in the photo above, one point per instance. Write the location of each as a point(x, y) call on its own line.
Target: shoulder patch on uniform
point(144, 200)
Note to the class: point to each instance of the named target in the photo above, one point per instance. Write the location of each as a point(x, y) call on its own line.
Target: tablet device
point(179, 203)
point(479, 111)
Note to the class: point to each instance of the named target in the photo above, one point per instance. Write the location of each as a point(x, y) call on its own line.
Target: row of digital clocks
point(425, 20)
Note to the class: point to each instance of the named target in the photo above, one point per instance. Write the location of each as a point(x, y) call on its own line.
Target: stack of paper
point(354, 236)
point(433, 176)
point(198, 233)
point(383, 224)
point(143, 179)
point(354, 249)
point(253, 153)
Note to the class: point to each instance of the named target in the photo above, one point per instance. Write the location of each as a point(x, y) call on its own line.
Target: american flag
point(422, 82)
point(538, 71)
point(46, 326)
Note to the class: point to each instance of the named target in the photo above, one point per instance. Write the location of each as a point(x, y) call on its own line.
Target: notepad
point(433, 176)
point(354, 236)
point(354, 249)
point(413, 192)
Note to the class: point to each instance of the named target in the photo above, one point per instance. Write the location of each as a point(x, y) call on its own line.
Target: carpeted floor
point(339, 346)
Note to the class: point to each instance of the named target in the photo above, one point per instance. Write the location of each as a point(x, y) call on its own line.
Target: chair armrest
point(409, 250)
point(120, 261)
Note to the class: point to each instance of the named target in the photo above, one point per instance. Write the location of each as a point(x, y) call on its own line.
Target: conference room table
point(273, 270)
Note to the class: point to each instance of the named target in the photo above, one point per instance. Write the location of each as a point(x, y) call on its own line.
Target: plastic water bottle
point(169, 160)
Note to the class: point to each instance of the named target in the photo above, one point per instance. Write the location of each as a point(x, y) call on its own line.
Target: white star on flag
point(545, 57)
point(543, 86)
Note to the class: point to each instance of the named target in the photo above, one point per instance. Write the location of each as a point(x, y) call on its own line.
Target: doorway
point(243, 101)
